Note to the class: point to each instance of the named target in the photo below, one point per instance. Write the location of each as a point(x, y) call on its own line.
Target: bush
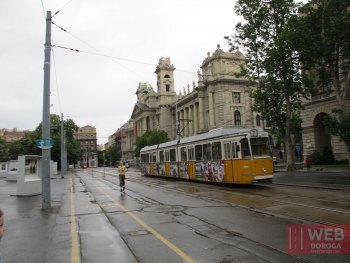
point(326, 158)
point(316, 158)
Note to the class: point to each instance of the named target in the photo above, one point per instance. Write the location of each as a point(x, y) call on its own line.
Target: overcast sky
point(120, 43)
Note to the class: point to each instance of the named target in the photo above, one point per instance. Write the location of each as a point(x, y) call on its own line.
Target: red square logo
point(317, 239)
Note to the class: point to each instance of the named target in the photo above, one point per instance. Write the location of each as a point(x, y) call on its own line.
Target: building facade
point(219, 99)
point(88, 146)
point(11, 135)
point(315, 137)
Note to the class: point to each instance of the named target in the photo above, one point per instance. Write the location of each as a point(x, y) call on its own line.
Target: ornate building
point(219, 99)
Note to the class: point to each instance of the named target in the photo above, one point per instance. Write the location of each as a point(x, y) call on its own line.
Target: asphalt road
point(158, 220)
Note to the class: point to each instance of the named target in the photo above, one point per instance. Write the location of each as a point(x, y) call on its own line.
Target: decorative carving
point(200, 76)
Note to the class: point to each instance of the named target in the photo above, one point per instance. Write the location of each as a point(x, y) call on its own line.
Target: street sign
point(44, 143)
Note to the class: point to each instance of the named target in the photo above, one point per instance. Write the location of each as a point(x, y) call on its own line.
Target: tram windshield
point(260, 146)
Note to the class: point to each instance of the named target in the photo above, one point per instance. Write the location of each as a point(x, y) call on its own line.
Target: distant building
point(11, 135)
point(88, 146)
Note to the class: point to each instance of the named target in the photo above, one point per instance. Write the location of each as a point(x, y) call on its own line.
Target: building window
point(237, 118)
point(258, 119)
point(167, 87)
point(236, 97)
point(167, 76)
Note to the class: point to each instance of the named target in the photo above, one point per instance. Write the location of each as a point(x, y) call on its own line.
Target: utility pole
point(62, 148)
point(46, 153)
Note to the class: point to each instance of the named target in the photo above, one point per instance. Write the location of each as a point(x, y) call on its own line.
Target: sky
point(120, 43)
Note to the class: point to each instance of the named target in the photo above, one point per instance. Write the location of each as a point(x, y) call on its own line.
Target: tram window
point(199, 152)
point(227, 152)
point(167, 156)
point(183, 154)
point(161, 156)
point(216, 147)
point(172, 155)
point(144, 158)
point(154, 157)
point(207, 151)
point(259, 146)
point(191, 154)
point(235, 150)
point(245, 149)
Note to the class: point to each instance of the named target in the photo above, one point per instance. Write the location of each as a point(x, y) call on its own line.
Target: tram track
point(211, 231)
point(320, 205)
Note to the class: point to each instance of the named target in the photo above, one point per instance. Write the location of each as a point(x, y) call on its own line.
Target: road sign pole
point(46, 153)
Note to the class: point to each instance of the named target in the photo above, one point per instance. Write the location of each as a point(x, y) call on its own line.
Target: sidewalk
point(300, 167)
point(34, 235)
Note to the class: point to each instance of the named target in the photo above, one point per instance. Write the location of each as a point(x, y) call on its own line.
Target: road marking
point(174, 248)
point(75, 249)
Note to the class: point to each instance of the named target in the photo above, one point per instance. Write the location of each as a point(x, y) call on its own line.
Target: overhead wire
point(42, 5)
point(56, 78)
point(62, 8)
point(113, 58)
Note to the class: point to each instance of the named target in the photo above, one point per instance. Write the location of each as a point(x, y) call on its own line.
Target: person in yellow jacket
point(122, 170)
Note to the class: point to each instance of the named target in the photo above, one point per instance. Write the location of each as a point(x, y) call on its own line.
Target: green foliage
point(324, 44)
point(150, 138)
point(324, 158)
point(338, 125)
point(27, 145)
point(268, 39)
point(101, 158)
point(4, 151)
point(113, 155)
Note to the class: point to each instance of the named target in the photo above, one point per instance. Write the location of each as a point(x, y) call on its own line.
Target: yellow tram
point(224, 155)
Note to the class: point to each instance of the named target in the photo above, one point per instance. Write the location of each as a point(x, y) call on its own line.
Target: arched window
point(167, 76)
point(258, 118)
point(237, 118)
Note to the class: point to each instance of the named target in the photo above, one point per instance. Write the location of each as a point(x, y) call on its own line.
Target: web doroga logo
point(317, 239)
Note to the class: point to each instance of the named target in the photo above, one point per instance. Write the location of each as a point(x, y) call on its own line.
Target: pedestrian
point(2, 228)
point(122, 170)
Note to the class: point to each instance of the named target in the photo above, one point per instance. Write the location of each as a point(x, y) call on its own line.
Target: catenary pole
point(46, 151)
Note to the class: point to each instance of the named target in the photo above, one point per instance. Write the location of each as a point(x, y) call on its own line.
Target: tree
point(4, 151)
point(113, 154)
point(150, 138)
point(24, 146)
point(339, 127)
point(267, 37)
point(324, 48)
point(27, 145)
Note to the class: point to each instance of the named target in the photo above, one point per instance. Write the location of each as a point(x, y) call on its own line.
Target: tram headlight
point(263, 170)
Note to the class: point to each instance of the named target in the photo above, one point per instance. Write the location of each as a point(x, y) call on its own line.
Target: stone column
point(211, 111)
point(192, 120)
point(200, 114)
point(195, 118)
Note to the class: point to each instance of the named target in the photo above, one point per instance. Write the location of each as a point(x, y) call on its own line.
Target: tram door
point(231, 160)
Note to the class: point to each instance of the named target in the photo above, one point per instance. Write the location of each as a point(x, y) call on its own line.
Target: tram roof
point(220, 132)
